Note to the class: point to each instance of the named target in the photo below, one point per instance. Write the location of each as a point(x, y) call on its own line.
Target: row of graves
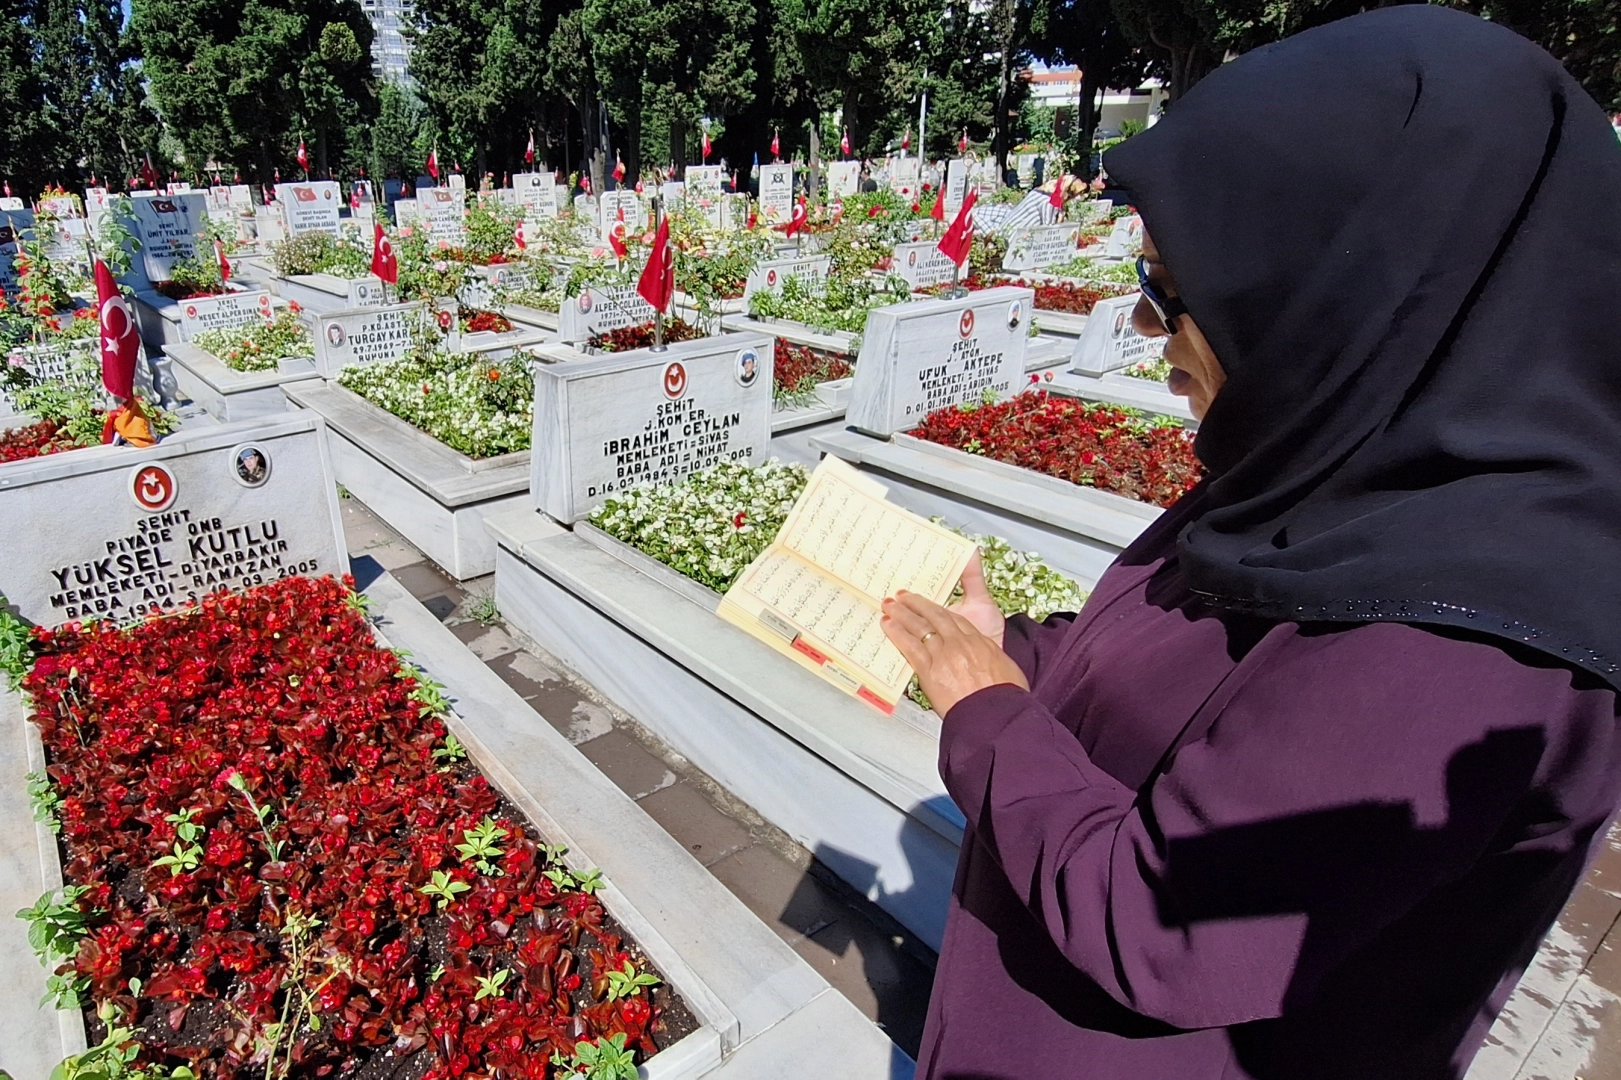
point(697, 509)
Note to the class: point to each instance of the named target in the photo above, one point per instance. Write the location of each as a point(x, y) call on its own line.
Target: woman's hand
point(976, 604)
point(953, 657)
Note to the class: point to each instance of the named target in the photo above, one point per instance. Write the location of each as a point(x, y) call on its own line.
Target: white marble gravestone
point(367, 335)
point(905, 176)
point(226, 310)
point(119, 532)
point(607, 424)
point(1126, 239)
point(927, 355)
point(921, 264)
point(704, 183)
point(1109, 342)
point(537, 194)
point(310, 207)
point(10, 202)
point(612, 202)
point(1035, 246)
point(168, 227)
point(769, 274)
point(776, 193)
point(446, 212)
point(843, 178)
point(596, 311)
point(72, 363)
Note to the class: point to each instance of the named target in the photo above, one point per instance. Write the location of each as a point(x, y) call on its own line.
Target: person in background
point(1298, 792)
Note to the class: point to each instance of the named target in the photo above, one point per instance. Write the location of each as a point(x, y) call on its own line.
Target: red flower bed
point(1067, 297)
point(798, 369)
point(1093, 445)
point(35, 440)
point(641, 336)
point(174, 290)
point(475, 321)
point(268, 740)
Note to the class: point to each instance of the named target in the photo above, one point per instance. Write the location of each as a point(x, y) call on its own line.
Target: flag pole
point(658, 313)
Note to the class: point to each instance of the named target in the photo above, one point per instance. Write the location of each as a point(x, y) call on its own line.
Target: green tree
point(1584, 35)
point(1089, 35)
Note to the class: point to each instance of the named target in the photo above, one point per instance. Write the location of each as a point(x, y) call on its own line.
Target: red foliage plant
point(798, 369)
point(1097, 446)
point(34, 440)
point(176, 290)
point(641, 336)
point(1065, 296)
point(473, 322)
point(279, 698)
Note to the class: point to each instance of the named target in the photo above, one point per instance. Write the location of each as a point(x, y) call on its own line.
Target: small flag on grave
point(383, 262)
point(959, 237)
point(657, 283)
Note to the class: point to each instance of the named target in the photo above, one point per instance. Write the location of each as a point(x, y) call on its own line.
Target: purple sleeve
point(1028, 643)
point(1334, 791)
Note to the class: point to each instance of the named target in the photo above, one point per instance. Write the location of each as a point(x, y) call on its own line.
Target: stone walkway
point(859, 949)
point(1563, 1022)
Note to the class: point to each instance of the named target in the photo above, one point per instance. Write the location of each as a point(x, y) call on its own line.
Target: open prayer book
point(814, 595)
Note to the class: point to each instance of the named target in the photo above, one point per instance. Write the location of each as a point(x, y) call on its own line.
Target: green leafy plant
point(628, 982)
point(45, 799)
point(116, 243)
point(428, 694)
point(472, 404)
point(482, 610)
point(188, 851)
point(481, 846)
point(16, 646)
point(323, 253)
point(489, 986)
point(452, 751)
point(563, 878)
point(259, 345)
point(304, 966)
point(114, 1059)
point(262, 813)
point(56, 924)
point(605, 1059)
point(445, 887)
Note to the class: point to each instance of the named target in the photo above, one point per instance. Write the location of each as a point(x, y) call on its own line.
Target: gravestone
point(926, 355)
point(63, 206)
point(921, 264)
point(67, 247)
point(96, 201)
point(624, 199)
point(674, 193)
point(843, 178)
point(14, 224)
point(310, 207)
point(268, 225)
point(905, 176)
point(1096, 210)
point(955, 189)
point(1109, 342)
point(446, 212)
point(370, 335)
point(408, 212)
point(704, 184)
point(75, 363)
point(457, 182)
point(537, 194)
point(168, 227)
point(10, 202)
point(1126, 239)
point(597, 311)
point(120, 533)
point(768, 275)
point(776, 193)
point(1035, 246)
point(607, 424)
point(224, 311)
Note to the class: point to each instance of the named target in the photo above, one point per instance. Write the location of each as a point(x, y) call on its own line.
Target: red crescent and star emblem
point(771, 278)
point(675, 381)
point(965, 325)
point(152, 487)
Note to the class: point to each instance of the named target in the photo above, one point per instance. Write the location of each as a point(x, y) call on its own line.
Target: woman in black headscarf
point(1300, 790)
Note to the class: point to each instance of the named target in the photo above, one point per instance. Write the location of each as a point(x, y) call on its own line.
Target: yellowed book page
point(843, 524)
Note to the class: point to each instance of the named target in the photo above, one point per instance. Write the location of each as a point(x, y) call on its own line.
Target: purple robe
point(1206, 847)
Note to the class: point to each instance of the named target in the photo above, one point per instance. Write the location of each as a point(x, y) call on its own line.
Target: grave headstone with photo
point(769, 274)
point(606, 424)
point(224, 311)
point(371, 335)
point(921, 264)
point(600, 310)
point(1110, 342)
point(120, 533)
point(310, 207)
point(776, 193)
point(843, 178)
point(446, 212)
point(1035, 246)
point(168, 227)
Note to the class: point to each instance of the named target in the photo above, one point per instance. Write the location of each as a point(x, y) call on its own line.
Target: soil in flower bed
point(176, 290)
point(270, 825)
point(798, 370)
point(640, 336)
point(1100, 446)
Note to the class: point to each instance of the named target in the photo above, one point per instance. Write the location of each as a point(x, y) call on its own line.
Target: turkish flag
point(303, 156)
point(383, 262)
point(304, 194)
point(1057, 200)
point(959, 236)
point(906, 139)
point(707, 147)
point(616, 235)
point(225, 264)
point(148, 173)
point(519, 238)
point(844, 143)
point(796, 223)
point(529, 151)
point(938, 210)
point(354, 197)
point(619, 170)
point(657, 283)
point(962, 143)
point(119, 341)
point(433, 163)
point(776, 143)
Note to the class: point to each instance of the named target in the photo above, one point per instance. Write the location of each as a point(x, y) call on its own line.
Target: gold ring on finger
point(929, 634)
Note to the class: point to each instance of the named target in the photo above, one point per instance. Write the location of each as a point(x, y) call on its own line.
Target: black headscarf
point(1401, 234)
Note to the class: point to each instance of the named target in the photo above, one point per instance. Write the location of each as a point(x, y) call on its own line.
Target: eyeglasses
point(1167, 308)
